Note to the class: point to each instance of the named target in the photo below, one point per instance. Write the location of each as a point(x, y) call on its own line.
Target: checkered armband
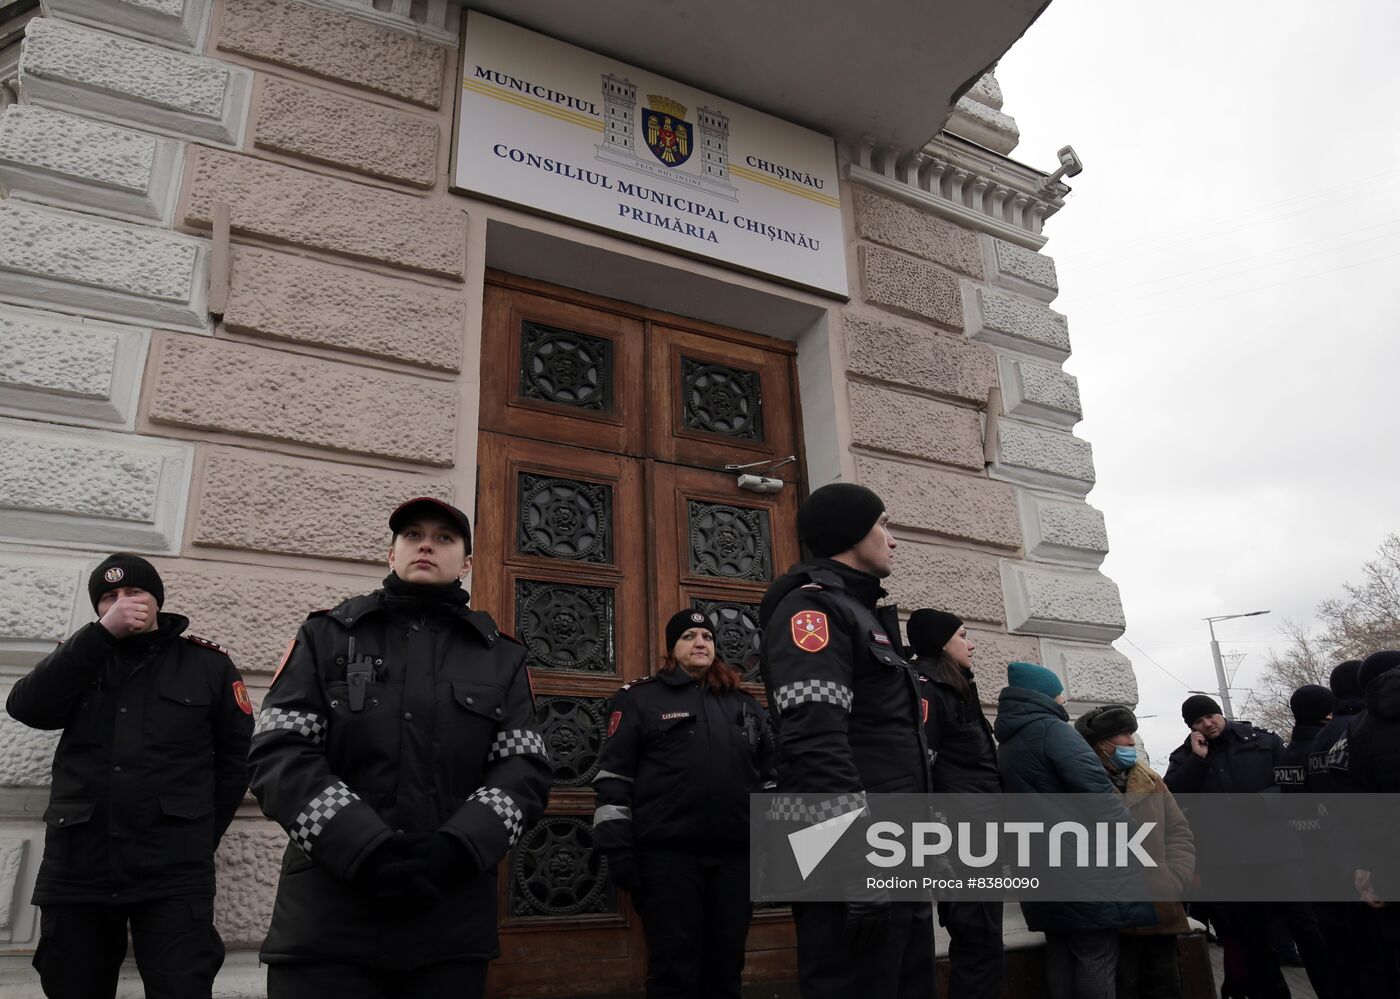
point(304, 723)
point(505, 808)
point(517, 742)
point(805, 810)
point(311, 821)
point(813, 692)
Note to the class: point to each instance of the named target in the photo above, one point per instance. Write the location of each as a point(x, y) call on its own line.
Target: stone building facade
point(241, 316)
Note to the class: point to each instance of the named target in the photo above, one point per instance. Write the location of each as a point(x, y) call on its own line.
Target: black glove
point(397, 871)
point(447, 860)
point(622, 868)
point(867, 923)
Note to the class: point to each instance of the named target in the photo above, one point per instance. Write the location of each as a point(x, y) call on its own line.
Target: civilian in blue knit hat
point(1039, 752)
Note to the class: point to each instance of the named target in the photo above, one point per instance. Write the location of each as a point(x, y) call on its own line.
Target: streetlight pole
point(1220, 663)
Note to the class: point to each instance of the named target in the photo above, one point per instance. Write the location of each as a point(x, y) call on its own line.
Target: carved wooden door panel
point(602, 508)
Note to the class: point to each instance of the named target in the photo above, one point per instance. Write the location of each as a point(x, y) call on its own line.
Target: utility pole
point(1220, 663)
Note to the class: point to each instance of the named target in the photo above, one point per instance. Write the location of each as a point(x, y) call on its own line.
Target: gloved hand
point(867, 922)
point(622, 868)
point(447, 860)
point(397, 871)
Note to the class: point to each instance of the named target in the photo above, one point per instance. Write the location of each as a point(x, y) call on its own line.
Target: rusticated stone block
point(59, 159)
point(292, 298)
point(1049, 459)
point(43, 598)
point(26, 754)
point(1016, 323)
point(178, 22)
point(216, 385)
point(336, 46)
point(12, 852)
point(1097, 673)
point(284, 203)
point(956, 506)
point(358, 135)
point(912, 287)
point(918, 357)
point(246, 869)
point(72, 371)
point(254, 613)
point(1019, 269)
point(909, 424)
point(279, 505)
point(904, 227)
point(1060, 531)
point(1031, 390)
point(1064, 603)
point(994, 651)
point(961, 582)
point(91, 489)
point(53, 259)
point(93, 72)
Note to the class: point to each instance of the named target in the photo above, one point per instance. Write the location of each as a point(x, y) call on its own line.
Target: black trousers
point(82, 946)
point(900, 967)
point(450, 980)
point(1247, 923)
point(976, 963)
point(695, 913)
point(1148, 966)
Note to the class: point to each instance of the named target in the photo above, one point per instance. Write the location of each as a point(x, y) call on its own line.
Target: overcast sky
point(1228, 262)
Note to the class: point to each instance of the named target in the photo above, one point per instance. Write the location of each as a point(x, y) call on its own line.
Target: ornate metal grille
point(555, 874)
point(737, 635)
point(565, 518)
point(729, 541)
point(722, 400)
point(564, 367)
point(565, 626)
point(573, 732)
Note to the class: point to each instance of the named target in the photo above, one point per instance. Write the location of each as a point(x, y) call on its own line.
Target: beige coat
point(1148, 798)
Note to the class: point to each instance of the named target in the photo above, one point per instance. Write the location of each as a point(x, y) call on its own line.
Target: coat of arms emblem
point(669, 136)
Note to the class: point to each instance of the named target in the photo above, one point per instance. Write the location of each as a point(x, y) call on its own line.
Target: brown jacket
point(1170, 839)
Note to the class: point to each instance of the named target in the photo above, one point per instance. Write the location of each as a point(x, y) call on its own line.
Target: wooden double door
point(603, 507)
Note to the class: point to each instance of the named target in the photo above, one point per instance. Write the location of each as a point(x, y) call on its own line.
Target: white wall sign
point(551, 127)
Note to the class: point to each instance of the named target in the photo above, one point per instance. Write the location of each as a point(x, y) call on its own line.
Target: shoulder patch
point(240, 697)
point(809, 630)
point(206, 643)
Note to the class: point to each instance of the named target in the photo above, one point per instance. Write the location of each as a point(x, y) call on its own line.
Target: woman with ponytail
point(964, 762)
point(685, 748)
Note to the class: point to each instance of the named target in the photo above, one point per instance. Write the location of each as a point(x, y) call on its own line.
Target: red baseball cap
point(428, 505)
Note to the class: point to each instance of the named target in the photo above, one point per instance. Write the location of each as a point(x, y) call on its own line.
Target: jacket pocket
point(67, 820)
point(180, 720)
point(187, 829)
point(482, 699)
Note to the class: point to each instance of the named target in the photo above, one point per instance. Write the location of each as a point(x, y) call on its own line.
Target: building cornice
point(966, 184)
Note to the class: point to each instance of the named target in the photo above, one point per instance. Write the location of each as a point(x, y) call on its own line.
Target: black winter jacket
point(844, 702)
point(1373, 767)
point(679, 764)
point(1326, 774)
point(1240, 761)
point(151, 765)
point(391, 714)
point(1291, 771)
point(959, 736)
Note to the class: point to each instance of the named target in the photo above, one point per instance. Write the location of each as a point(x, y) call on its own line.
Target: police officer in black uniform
point(847, 720)
point(148, 774)
point(964, 762)
point(685, 749)
point(397, 748)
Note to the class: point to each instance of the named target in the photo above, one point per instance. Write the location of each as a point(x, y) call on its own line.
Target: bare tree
point(1364, 620)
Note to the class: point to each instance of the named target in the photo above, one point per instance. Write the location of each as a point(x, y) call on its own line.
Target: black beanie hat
point(1376, 665)
point(124, 569)
point(1311, 703)
point(681, 621)
point(1197, 706)
point(1106, 722)
point(929, 630)
point(1344, 680)
point(836, 517)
